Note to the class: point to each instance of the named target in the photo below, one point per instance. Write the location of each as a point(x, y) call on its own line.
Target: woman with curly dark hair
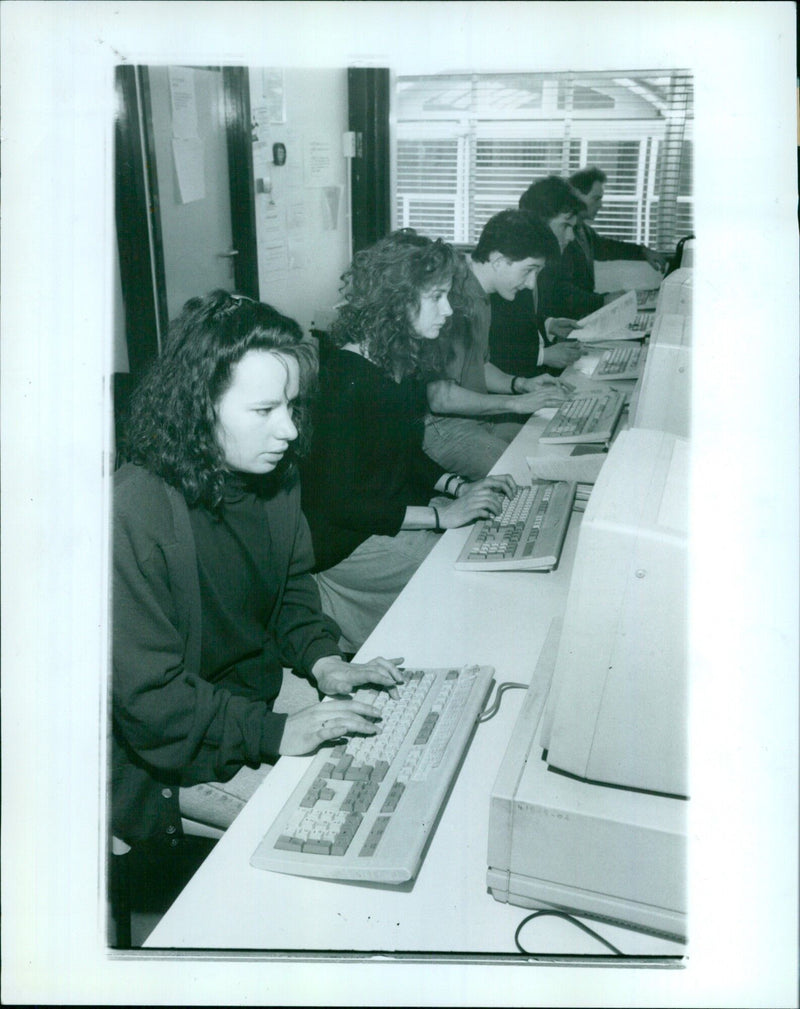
point(212, 594)
point(373, 499)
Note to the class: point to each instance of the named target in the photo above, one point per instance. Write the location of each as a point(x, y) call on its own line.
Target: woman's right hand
point(552, 393)
point(307, 728)
point(478, 500)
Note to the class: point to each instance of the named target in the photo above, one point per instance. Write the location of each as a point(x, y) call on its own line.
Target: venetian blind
point(467, 146)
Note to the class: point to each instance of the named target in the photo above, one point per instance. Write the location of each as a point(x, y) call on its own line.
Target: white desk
point(443, 617)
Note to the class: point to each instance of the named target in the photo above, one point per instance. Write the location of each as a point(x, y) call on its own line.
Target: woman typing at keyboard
point(374, 500)
point(212, 594)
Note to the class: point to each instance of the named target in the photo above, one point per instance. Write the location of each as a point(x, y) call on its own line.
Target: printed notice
point(184, 103)
point(318, 162)
point(272, 95)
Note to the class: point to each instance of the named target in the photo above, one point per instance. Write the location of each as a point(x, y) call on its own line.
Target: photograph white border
point(58, 107)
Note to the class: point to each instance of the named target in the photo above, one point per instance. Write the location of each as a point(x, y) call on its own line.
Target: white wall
point(302, 224)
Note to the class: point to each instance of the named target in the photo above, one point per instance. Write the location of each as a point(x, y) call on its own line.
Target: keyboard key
point(528, 532)
point(372, 823)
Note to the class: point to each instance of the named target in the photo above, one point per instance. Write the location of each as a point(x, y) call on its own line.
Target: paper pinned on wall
point(184, 103)
point(262, 159)
point(293, 169)
point(189, 168)
point(272, 95)
point(296, 215)
point(331, 200)
point(318, 162)
point(297, 254)
point(259, 124)
point(273, 258)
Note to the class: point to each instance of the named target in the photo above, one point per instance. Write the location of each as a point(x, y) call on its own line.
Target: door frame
point(138, 218)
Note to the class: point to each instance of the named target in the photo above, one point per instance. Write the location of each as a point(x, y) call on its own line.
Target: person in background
point(521, 341)
point(212, 591)
point(375, 502)
point(577, 266)
point(475, 407)
point(555, 202)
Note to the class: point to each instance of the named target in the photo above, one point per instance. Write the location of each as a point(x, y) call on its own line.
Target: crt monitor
point(675, 293)
point(662, 396)
point(617, 708)
point(588, 813)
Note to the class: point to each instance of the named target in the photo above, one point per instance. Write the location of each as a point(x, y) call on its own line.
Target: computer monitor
point(588, 811)
point(675, 293)
point(662, 397)
point(617, 710)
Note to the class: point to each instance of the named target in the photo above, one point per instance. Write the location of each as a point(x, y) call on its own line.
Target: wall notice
point(318, 162)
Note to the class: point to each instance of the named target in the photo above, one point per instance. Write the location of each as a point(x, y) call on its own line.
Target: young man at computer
point(475, 407)
point(576, 280)
point(522, 339)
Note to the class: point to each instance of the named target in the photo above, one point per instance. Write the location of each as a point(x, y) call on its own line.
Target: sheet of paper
point(318, 162)
point(184, 102)
point(273, 95)
point(188, 155)
point(330, 200)
point(611, 322)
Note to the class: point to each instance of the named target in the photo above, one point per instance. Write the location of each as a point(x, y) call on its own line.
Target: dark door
point(184, 199)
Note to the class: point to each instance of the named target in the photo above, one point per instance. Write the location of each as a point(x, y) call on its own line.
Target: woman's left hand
point(546, 383)
point(335, 676)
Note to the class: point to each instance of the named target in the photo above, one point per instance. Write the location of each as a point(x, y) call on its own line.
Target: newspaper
point(611, 322)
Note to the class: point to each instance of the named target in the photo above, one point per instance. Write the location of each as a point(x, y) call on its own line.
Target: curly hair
point(171, 429)
point(382, 290)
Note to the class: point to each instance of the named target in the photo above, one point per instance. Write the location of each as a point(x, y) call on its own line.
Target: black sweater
point(366, 463)
point(171, 725)
point(515, 335)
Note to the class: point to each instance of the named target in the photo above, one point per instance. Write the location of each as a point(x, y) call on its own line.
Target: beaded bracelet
point(453, 476)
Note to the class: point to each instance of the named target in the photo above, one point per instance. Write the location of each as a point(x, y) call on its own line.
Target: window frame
point(583, 126)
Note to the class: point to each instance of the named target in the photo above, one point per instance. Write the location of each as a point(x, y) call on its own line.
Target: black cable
point(492, 710)
point(566, 917)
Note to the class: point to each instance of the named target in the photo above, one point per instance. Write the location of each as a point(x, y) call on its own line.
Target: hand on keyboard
point(541, 391)
point(306, 729)
point(335, 676)
point(481, 499)
point(365, 807)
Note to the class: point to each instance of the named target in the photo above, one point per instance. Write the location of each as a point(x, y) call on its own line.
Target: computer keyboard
point(365, 807)
point(642, 323)
point(620, 362)
point(646, 298)
point(528, 533)
point(587, 417)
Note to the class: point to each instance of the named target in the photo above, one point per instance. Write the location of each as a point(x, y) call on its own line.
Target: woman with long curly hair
point(373, 499)
point(212, 595)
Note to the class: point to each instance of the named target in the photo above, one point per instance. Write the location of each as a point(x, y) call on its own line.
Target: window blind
point(468, 145)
